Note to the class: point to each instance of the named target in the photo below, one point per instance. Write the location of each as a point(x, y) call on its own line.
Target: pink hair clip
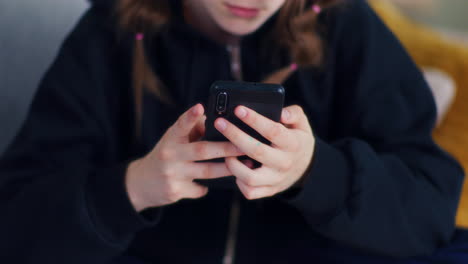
point(317, 9)
point(293, 66)
point(139, 36)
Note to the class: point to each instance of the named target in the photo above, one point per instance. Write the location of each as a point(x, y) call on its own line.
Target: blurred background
point(439, 13)
point(31, 32)
point(448, 16)
point(435, 33)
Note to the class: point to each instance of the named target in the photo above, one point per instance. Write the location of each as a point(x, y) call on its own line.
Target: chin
point(240, 29)
point(239, 32)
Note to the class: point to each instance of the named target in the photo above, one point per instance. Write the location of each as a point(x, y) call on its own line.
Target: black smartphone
point(225, 96)
point(265, 99)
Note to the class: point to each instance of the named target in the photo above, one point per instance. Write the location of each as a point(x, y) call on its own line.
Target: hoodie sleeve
point(379, 183)
point(62, 188)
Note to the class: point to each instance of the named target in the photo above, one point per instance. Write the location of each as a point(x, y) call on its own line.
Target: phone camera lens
point(221, 103)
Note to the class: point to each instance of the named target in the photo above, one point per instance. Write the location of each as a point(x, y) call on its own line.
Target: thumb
point(186, 122)
point(294, 117)
point(198, 131)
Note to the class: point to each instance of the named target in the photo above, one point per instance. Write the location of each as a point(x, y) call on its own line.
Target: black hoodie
point(378, 182)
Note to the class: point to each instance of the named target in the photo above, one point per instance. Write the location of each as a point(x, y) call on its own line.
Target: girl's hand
point(283, 163)
point(166, 174)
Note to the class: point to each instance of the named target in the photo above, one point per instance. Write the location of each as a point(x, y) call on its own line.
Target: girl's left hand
point(284, 162)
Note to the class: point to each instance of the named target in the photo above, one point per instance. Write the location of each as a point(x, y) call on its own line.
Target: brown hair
point(295, 29)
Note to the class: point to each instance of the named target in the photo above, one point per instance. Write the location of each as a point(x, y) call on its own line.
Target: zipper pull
point(235, 61)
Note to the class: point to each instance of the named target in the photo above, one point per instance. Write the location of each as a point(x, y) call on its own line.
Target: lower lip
point(242, 12)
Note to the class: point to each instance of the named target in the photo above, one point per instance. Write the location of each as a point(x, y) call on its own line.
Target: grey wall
point(30, 34)
point(451, 14)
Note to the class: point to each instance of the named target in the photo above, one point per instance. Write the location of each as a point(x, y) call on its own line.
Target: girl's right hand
point(166, 174)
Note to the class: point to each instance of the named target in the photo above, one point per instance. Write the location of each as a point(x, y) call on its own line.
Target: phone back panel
point(266, 99)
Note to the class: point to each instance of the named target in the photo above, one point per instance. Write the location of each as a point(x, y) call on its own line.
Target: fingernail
point(241, 112)
point(286, 114)
point(221, 125)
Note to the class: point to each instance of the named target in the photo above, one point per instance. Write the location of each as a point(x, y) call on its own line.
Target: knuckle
point(276, 130)
point(286, 165)
point(168, 173)
point(258, 152)
point(227, 148)
point(173, 193)
point(252, 118)
point(230, 150)
point(232, 134)
point(201, 150)
point(165, 154)
point(207, 172)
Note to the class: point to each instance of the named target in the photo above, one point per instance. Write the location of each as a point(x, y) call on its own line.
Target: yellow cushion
point(430, 49)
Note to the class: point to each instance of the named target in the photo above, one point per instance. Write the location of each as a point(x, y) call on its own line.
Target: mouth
point(242, 12)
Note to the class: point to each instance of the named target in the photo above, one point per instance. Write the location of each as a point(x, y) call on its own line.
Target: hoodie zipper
point(235, 61)
point(230, 248)
point(235, 64)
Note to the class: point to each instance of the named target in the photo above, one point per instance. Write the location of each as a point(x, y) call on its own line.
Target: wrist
point(134, 170)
